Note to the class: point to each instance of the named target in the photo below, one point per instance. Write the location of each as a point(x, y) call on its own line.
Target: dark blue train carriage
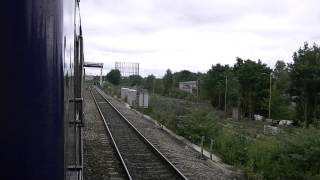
point(42, 70)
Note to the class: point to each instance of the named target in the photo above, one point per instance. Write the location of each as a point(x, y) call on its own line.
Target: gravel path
point(186, 159)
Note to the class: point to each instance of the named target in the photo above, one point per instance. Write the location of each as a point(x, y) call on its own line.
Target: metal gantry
point(95, 65)
point(127, 68)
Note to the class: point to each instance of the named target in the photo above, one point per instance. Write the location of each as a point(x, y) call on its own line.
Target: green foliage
point(305, 82)
point(135, 80)
point(111, 89)
point(184, 75)
point(280, 100)
point(291, 155)
point(280, 105)
point(149, 82)
point(261, 158)
point(167, 82)
point(231, 146)
point(215, 84)
point(294, 156)
point(200, 124)
point(164, 111)
point(281, 77)
point(294, 87)
point(248, 86)
point(177, 93)
point(114, 76)
point(159, 87)
point(253, 78)
point(163, 104)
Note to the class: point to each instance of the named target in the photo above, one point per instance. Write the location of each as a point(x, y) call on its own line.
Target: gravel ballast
point(100, 161)
point(184, 157)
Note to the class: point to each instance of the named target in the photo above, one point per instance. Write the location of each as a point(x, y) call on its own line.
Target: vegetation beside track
point(293, 154)
point(289, 91)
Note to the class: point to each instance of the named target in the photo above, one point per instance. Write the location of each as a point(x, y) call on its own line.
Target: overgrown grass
point(177, 93)
point(290, 155)
point(111, 89)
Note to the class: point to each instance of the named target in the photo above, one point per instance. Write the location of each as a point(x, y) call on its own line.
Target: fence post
point(202, 143)
point(211, 146)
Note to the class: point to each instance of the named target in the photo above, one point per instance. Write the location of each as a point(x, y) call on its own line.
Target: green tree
point(135, 80)
point(214, 84)
point(281, 76)
point(280, 100)
point(167, 82)
point(233, 95)
point(305, 83)
point(149, 82)
point(184, 75)
point(114, 76)
point(253, 78)
point(159, 87)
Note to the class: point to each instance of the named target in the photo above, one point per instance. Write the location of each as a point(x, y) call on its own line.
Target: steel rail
point(147, 142)
point(112, 139)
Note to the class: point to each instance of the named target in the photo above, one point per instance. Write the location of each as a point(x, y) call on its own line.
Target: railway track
point(140, 159)
point(100, 158)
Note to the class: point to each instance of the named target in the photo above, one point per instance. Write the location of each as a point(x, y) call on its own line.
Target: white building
point(188, 86)
point(133, 97)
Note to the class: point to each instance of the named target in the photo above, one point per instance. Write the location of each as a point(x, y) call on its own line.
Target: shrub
point(231, 146)
point(111, 89)
point(294, 154)
point(179, 94)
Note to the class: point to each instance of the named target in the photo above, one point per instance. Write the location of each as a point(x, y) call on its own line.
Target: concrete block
point(258, 117)
point(285, 122)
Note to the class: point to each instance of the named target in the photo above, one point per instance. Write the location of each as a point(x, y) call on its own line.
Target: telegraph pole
point(225, 96)
point(153, 84)
point(197, 90)
point(270, 97)
point(101, 77)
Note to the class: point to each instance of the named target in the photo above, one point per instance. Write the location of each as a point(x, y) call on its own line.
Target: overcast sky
point(194, 34)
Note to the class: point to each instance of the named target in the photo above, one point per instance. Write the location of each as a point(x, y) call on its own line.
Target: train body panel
point(38, 82)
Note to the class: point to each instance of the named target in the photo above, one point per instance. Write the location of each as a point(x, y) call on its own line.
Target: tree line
point(289, 91)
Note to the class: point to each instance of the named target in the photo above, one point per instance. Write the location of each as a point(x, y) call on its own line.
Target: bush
point(179, 94)
point(114, 76)
point(231, 146)
point(111, 89)
point(261, 158)
point(294, 154)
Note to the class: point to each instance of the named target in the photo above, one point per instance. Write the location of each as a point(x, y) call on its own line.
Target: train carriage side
point(40, 130)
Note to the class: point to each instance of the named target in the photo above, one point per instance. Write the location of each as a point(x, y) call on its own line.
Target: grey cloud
point(185, 20)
